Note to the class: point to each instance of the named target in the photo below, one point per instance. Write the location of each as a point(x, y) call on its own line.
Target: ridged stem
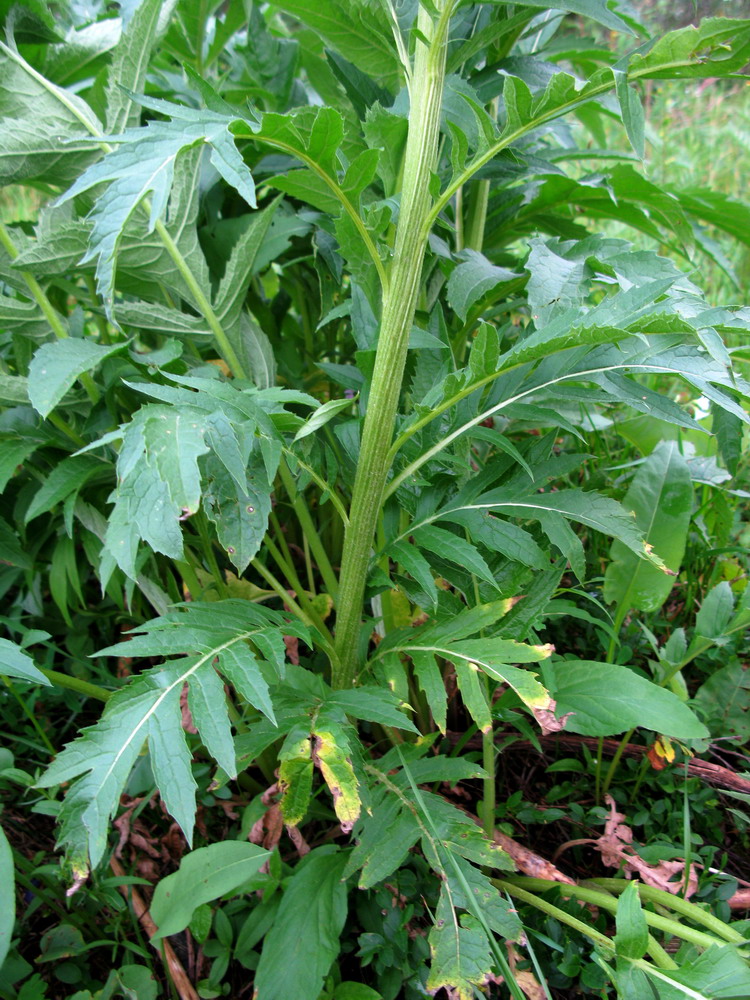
point(399, 306)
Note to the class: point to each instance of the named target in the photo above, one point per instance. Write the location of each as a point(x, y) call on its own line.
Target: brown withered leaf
point(547, 720)
point(616, 849)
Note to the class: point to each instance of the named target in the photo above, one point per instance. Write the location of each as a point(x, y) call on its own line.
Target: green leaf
point(719, 972)
point(448, 546)
point(295, 784)
point(372, 704)
point(67, 477)
point(384, 838)
point(460, 953)
point(716, 611)
point(474, 278)
point(717, 46)
point(12, 454)
point(633, 115)
point(661, 497)
point(631, 937)
point(130, 59)
point(55, 367)
point(360, 32)
point(415, 565)
point(598, 10)
point(42, 131)
point(588, 507)
point(501, 536)
point(203, 637)
point(724, 701)
point(431, 682)
point(11, 551)
point(491, 655)
point(606, 699)
point(142, 164)
point(303, 941)
point(32, 22)
point(204, 875)
point(15, 663)
point(8, 911)
point(322, 416)
point(240, 516)
point(472, 693)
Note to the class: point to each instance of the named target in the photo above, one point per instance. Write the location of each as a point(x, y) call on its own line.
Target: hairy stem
point(399, 305)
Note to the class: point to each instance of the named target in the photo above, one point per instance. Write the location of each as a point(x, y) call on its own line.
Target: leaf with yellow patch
point(338, 774)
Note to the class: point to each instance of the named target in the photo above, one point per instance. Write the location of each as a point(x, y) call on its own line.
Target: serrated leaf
point(204, 875)
point(372, 704)
point(362, 34)
point(501, 536)
point(142, 164)
point(127, 70)
point(15, 663)
point(42, 132)
point(240, 516)
point(472, 279)
point(99, 761)
point(303, 941)
point(597, 10)
point(590, 508)
point(448, 546)
point(67, 477)
point(55, 367)
point(386, 836)
point(661, 496)
point(295, 785)
point(460, 953)
point(491, 655)
point(416, 565)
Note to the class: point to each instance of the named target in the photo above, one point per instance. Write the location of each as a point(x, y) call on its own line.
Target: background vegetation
point(442, 826)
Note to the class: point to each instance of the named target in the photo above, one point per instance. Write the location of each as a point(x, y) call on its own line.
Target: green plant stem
point(29, 715)
point(222, 340)
point(518, 892)
point(294, 581)
point(684, 907)
point(75, 684)
point(607, 902)
point(64, 427)
point(399, 305)
point(294, 607)
point(311, 532)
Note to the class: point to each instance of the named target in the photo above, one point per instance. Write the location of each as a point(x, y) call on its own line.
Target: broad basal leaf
point(304, 940)
point(203, 875)
point(606, 699)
